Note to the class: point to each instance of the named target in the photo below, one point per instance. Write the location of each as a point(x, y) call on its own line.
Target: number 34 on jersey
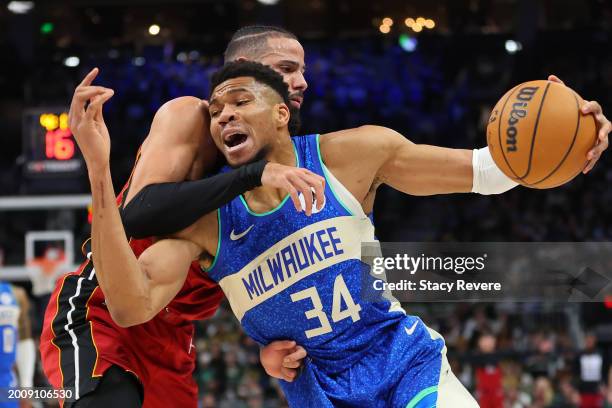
point(341, 295)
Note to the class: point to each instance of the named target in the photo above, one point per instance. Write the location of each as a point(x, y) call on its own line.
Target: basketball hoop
point(51, 260)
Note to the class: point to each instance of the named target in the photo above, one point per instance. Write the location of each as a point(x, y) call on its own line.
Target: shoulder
point(357, 139)
point(180, 120)
point(181, 104)
point(182, 112)
point(365, 133)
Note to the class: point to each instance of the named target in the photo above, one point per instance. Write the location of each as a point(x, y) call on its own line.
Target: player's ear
point(282, 114)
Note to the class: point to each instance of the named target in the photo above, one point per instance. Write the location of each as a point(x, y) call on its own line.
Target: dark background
point(441, 93)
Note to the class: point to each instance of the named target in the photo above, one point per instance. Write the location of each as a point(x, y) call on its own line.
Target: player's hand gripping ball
point(542, 134)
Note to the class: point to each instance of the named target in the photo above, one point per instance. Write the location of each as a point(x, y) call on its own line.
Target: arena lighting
point(429, 23)
point(388, 21)
point(417, 28)
point(154, 29)
point(512, 47)
point(20, 7)
point(139, 61)
point(46, 28)
point(268, 2)
point(420, 20)
point(385, 29)
point(409, 22)
point(72, 61)
point(181, 57)
point(408, 44)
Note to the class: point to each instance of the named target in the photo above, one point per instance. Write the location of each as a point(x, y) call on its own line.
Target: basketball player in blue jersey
point(16, 343)
point(290, 276)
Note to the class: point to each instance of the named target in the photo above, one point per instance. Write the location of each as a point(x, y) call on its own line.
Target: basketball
point(538, 136)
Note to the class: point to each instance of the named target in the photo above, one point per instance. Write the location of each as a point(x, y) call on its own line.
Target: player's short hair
point(262, 74)
point(251, 41)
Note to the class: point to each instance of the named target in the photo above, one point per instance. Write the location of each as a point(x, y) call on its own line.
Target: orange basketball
point(538, 136)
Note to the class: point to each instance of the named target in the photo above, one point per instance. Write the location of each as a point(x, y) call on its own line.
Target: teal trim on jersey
point(414, 402)
point(278, 207)
point(218, 244)
point(327, 179)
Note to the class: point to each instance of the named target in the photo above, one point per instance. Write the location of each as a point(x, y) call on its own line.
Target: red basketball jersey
point(80, 340)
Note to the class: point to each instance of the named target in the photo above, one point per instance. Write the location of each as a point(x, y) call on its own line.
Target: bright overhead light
point(387, 21)
point(385, 29)
point(513, 47)
point(20, 7)
point(72, 61)
point(409, 22)
point(429, 23)
point(417, 28)
point(268, 2)
point(154, 29)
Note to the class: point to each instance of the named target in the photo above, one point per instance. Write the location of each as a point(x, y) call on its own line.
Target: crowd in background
point(511, 355)
point(516, 355)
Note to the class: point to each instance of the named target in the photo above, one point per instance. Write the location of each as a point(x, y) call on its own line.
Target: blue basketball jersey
point(290, 276)
point(9, 315)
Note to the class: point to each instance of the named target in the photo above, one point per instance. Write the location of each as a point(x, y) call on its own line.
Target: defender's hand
point(282, 359)
point(88, 125)
point(295, 180)
point(603, 129)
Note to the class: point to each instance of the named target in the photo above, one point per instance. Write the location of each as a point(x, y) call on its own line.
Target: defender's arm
point(160, 202)
point(178, 148)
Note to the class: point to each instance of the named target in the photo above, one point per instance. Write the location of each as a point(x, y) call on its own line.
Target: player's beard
point(295, 122)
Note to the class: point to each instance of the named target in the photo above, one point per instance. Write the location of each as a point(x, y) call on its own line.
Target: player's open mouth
point(235, 139)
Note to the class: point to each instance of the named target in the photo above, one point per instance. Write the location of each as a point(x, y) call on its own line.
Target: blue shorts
point(402, 370)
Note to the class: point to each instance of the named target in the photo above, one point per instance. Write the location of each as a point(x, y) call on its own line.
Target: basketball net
point(45, 269)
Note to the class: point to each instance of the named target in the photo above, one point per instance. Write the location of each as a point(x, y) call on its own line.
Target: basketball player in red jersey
point(106, 363)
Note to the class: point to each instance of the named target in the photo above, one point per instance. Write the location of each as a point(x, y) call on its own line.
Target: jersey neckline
point(282, 203)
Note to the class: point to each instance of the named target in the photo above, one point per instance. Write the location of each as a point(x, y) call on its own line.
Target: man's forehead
point(284, 47)
point(234, 85)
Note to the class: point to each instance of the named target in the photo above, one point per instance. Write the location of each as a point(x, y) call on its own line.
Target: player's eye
point(214, 113)
point(242, 102)
point(286, 69)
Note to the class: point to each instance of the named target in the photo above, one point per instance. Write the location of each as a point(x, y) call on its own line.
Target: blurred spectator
point(591, 366)
point(489, 391)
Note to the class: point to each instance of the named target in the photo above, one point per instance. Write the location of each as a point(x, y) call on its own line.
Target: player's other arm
point(26, 350)
point(390, 158)
point(133, 290)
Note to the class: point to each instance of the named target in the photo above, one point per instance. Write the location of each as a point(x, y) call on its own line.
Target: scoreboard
point(49, 148)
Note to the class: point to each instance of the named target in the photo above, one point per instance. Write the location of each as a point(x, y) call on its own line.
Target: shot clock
point(48, 145)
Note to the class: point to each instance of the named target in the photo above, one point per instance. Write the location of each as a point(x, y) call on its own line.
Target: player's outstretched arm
point(385, 156)
point(133, 289)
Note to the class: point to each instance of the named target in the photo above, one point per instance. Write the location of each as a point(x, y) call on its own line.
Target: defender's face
point(242, 119)
point(286, 56)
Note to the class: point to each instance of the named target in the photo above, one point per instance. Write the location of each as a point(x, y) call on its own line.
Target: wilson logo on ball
point(538, 136)
point(518, 112)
